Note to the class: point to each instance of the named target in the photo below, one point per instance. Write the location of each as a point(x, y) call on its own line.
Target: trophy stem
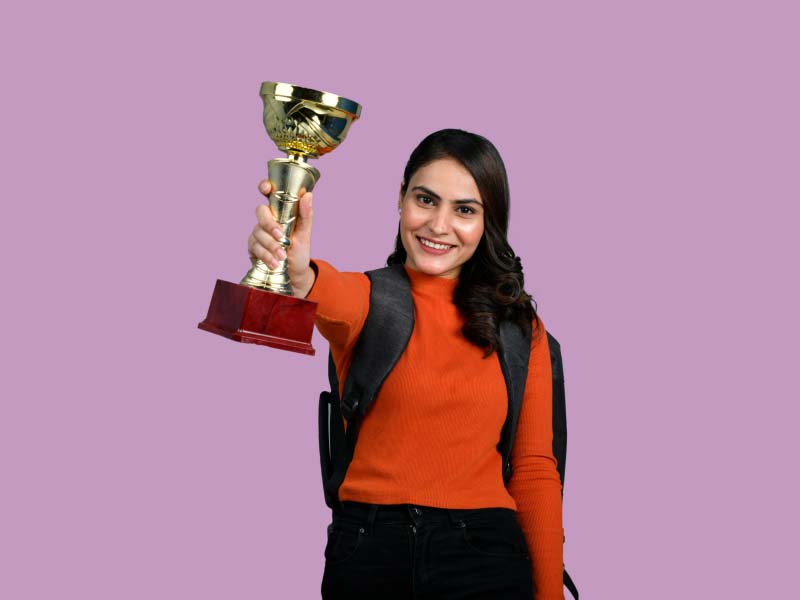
point(289, 176)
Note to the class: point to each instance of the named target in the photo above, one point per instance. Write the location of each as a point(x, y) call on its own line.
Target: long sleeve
point(342, 305)
point(535, 484)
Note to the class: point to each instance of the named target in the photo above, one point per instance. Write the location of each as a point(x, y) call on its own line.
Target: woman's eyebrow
point(436, 196)
point(430, 192)
point(468, 201)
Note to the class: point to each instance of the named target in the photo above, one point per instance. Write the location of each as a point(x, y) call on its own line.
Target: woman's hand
point(264, 242)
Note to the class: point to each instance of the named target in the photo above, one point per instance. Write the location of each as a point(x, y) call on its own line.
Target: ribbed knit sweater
point(430, 438)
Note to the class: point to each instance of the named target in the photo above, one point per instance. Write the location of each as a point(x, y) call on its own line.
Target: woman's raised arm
point(342, 298)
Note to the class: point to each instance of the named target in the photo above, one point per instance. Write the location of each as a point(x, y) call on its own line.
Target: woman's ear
point(400, 196)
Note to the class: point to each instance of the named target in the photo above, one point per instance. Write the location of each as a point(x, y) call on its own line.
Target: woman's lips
point(436, 251)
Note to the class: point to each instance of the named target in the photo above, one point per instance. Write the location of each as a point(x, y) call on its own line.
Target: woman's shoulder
point(334, 286)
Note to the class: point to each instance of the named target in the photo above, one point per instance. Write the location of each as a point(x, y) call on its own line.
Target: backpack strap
point(383, 339)
point(559, 409)
point(514, 353)
point(570, 585)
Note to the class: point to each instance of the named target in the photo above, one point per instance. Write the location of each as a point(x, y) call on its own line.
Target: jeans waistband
point(409, 513)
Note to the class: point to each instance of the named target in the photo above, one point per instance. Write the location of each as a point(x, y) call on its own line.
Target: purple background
point(653, 155)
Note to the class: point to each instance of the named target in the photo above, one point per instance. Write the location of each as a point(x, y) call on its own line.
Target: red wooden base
point(254, 316)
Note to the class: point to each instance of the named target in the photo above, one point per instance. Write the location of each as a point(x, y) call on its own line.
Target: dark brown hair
point(491, 287)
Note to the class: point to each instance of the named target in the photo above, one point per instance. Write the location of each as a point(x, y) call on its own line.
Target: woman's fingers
point(264, 242)
point(264, 246)
point(267, 222)
point(257, 251)
point(265, 187)
point(268, 241)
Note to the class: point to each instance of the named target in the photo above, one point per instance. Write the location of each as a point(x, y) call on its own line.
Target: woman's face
point(441, 218)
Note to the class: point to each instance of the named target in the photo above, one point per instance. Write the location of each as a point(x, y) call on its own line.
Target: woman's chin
point(435, 268)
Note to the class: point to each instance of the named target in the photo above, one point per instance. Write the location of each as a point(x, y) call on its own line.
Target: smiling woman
point(463, 172)
point(423, 509)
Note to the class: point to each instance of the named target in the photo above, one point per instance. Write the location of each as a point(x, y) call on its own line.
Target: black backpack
point(383, 339)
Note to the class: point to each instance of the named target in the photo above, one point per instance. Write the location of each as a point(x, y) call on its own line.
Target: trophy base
point(250, 315)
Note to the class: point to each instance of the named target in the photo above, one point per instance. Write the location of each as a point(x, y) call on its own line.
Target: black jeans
point(407, 551)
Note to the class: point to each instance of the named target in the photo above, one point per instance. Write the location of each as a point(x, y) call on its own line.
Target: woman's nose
point(440, 221)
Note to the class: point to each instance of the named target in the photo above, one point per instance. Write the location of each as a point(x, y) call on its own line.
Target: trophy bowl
point(306, 122)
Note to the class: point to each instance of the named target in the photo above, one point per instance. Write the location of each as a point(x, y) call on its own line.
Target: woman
point(425, 511)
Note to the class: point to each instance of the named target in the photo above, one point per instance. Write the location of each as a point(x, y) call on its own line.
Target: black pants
point(407, 551)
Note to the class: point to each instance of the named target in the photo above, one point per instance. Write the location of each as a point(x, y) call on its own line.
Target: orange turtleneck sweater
point(430, 438)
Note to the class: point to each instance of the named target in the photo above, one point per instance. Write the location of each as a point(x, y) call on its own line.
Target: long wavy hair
point(491, 287)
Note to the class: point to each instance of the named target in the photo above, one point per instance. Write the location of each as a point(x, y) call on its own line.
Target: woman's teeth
point(434, 245)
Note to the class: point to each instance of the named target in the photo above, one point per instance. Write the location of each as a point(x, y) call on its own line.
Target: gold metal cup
point(305, 124)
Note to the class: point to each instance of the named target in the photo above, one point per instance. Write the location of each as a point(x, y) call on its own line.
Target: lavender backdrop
point(653, 154)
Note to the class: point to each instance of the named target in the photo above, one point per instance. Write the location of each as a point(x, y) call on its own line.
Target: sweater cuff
point(314, 268)
point(323, 273)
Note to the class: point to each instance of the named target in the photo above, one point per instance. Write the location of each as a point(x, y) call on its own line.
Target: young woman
point(425, 511)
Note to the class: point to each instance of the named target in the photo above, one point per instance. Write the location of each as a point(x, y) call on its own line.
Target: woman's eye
point(425, 199)
point(466, 210)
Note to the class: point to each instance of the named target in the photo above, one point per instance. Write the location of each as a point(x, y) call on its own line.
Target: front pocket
point(502, 538)
point(343, 542)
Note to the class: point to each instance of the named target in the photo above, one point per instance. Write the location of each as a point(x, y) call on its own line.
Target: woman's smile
point(433, 247)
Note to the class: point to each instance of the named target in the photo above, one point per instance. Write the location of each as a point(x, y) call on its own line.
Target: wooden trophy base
point(249, 315)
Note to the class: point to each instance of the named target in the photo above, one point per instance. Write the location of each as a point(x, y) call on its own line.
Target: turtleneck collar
point(422, 282)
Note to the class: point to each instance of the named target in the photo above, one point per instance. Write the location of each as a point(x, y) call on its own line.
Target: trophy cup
point(305, 124)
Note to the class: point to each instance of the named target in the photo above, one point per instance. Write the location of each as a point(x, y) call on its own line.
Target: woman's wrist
point(302, 284)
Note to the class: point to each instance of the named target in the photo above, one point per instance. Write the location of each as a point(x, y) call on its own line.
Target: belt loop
point(373, 510)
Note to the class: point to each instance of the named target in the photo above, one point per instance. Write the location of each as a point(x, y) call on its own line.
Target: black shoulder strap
point(514, 353)
point(570, 585)
point(559, 409)
point(383, 339)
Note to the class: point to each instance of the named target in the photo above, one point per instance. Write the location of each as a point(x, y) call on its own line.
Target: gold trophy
point(305, 124)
